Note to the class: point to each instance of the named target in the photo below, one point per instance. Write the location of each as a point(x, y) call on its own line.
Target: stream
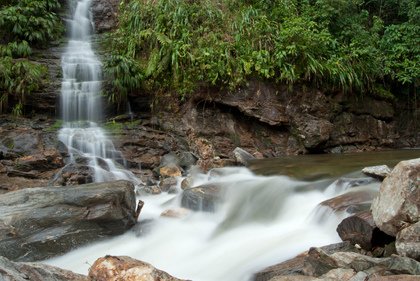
point(265, 219)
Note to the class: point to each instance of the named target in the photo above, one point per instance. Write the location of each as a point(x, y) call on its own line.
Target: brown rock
point(377, 172)
point(398, 203)
point(175, 212)
point(347, 200)
point(113, 268)
point(170, 171)
point(167, 183)
point(360, 229)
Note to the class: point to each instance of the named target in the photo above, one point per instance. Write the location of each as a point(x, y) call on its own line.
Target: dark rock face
point(105, 13)
point(23, 271)
point(39, 223)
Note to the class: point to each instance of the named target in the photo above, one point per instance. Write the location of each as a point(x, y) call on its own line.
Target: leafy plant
point(176, 47)
point(33, 21)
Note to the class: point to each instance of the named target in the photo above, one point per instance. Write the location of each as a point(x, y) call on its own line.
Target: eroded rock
point(116, 268)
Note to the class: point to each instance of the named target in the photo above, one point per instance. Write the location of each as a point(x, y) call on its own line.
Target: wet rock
point(167, 183)
point(347, 200)
point(115, 268)
point(23, 271)
point(295, 266)
point(39, 223)
point(186, 183)
point(74, 174)
point(377, 172)
point(318, 263)
point(187, 159)
point(203, 198)
point(360, 229)
point(170, 170)
point(241, 156)
point(46, 160)
point(154, 190)
point(408, 241)
point(398, 203)
point(175, 212)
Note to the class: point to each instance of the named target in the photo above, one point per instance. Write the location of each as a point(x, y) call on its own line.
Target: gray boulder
point(408, 241)
point(39, 223)
point(397, 204)
point(24, 271)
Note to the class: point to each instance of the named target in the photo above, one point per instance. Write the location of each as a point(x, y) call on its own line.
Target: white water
point(81, 102)
point(265, 220)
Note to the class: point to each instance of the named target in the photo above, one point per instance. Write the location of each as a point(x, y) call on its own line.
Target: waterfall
point(81, 102)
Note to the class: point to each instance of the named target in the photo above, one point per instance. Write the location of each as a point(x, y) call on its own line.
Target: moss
point(9, 143)
point(57, 125)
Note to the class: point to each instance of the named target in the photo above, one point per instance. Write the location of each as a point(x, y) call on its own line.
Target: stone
point(295, 267)
point(40, 223)
point(187, 159)
point(242, 157)
point(360, 229)
point(116, 268)
point(347, 200)
point(23, 271)
point(377, 172)
point(203, 197)
point(186, 183)
point(170, 171)
point(397, 204)
point(175, 212)
point(167, 183)
point(400, 277)
point(342, 274)
point(408, 242)
point(319, 263)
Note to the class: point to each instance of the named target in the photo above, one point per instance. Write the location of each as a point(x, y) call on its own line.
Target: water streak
point(81, 102)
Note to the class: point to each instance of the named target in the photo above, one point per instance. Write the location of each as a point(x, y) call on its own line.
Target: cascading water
point(264, 220)
point(81, 101)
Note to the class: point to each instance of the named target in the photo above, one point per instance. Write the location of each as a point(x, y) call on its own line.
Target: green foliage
point(18, 77)
point(177, 46)
point(57, 125)
point(33, 21)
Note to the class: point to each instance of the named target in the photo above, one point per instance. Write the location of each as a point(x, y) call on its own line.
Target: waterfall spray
point(81, 102)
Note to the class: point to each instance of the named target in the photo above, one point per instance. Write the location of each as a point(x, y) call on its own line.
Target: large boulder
point(23, 271)
point(408, 241)
point(39, 223)
point(112, 268)
point(397, 204)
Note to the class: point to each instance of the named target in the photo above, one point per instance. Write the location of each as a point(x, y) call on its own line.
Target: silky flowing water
point(81, 101)
point(264, 220)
